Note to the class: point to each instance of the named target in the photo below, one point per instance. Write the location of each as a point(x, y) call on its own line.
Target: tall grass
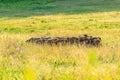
point(27, 61)
point(23, 61)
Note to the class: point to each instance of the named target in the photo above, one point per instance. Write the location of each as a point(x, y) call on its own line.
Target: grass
point(22, 61)
point(27, 8)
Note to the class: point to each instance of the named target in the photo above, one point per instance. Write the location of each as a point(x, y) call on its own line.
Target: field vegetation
point(23, 19)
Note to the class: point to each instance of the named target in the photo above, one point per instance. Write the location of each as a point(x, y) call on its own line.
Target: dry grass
point(22, 61)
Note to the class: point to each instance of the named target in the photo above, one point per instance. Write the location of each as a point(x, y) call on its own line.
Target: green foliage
point(15, 1)
point(10, 1)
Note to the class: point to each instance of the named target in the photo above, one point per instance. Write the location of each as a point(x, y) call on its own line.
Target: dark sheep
point(32, 40)
point(81, 40)
point(96, 41)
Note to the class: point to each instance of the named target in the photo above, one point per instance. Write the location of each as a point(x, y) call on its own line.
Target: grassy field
point(25, 19)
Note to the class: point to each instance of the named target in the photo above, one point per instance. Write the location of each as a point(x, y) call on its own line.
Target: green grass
point(25, 19)
point(26, 8)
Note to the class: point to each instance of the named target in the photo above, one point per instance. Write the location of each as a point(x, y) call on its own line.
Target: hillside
point(25, 8)
point(23, 19)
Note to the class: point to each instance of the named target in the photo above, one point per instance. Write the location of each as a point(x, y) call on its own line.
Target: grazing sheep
point(32, 40)
point(96, 41)
point(81, 40)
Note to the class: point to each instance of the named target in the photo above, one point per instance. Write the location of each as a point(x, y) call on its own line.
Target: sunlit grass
point(23, 61)
point(27, 61)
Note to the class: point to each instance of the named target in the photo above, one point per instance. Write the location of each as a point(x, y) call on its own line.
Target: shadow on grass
point(35, 8)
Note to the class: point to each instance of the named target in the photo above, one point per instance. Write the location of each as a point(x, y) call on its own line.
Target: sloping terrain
point(25, 8)
point(23, 19)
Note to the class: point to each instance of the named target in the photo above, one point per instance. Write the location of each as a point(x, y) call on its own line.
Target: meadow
point(21, 20)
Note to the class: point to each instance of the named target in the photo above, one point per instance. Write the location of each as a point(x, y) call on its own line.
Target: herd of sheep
point(81, 40)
